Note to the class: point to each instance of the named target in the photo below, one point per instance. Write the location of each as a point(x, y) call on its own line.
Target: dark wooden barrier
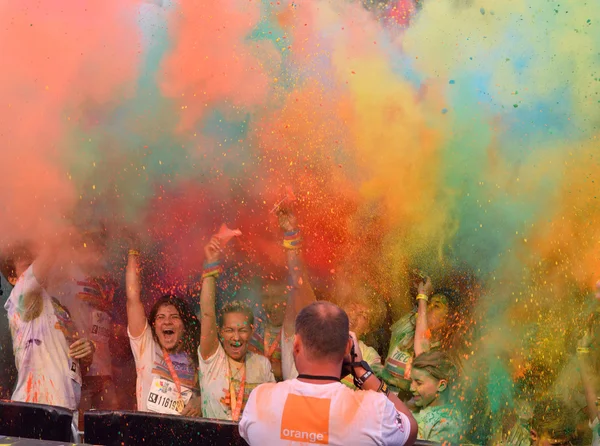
point(135, 428)
point(37, 421)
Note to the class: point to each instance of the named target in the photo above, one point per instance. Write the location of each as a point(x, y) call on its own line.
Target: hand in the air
point(426, 287)
point(212, 250)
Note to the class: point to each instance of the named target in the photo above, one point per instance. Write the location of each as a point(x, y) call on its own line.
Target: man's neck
point(333, 370)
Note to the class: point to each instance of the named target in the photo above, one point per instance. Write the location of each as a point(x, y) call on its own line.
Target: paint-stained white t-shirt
point(41, 346)
point(89, 301)
point(294, 412)
point(215, 380)
point(156, 390)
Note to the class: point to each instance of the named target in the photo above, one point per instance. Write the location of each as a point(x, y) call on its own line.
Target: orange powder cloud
point(210, 61)
point(54, 60)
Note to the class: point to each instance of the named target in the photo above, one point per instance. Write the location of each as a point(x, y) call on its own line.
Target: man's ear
point(297, 344)
point(442, 385)
point(349, 345)
point(534, 436)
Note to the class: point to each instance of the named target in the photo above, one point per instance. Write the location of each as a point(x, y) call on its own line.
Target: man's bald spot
point(323, 328)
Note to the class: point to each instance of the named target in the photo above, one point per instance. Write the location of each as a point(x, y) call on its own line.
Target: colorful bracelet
point(424, 297)
point(583, 350)
point(383, 388)
point(292, 240)
point(134, 252)
point(212, 270)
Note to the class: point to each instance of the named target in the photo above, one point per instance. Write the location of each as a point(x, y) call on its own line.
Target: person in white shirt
point(228, 371)
point(316, 408)
point(83, 287)
point(164, 347)
point(283, 302)
point(46, 344)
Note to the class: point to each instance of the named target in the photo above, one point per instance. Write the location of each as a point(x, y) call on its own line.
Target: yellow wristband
point(424, 297)
point(134, 252)
point(583, 350)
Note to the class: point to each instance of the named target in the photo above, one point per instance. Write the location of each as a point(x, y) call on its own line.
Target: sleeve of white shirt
point(141, 346)
point(16, 300)
point(395, 426)
point(248, 417)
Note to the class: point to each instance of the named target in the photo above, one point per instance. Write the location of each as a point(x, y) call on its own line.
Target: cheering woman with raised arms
point(228, 372)
point(164, 347)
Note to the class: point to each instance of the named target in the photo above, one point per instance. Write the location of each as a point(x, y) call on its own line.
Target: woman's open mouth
point(169, 335)
point(235, 347)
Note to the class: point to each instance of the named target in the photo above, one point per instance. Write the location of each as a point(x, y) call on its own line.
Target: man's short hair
point(235, 307)
point(323, 328)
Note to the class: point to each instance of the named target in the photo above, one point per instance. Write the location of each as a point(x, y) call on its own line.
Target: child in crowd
point(266, 339)
point(165, 349)
point(432, 373)
point(554, 423)
point(365, 313)
point(431, 327)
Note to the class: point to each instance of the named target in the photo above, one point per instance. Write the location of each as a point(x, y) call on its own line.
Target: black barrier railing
point(129, 428)
point(133, 428)
point(38, 421)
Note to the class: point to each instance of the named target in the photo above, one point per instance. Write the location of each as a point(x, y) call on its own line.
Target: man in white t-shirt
point(45, 341)
point(316, 408)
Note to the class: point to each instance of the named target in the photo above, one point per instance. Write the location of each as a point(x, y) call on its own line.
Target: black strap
point(319, 377)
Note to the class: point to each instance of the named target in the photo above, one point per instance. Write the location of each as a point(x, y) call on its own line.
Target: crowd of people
point(303, 373)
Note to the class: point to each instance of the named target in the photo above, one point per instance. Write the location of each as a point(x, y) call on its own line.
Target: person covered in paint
point(315, 408)
point(431, 375)
point(164, 347)
point(282, 301)
point(554, 423)
point(365, 313)
point(588, 380)
point(431, 327)
point(49, 353)
point(266, 338)
point(228, 371)
point(300, 292)
point(83, 287)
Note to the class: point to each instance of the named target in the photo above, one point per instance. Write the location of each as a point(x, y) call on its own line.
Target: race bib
point(74, 370)
point(164, 398)
point(101, 324)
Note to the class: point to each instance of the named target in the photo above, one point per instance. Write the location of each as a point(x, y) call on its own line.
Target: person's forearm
point(588, 386)
point(301, 293)
point(421, 341)
point(136, 315)
point(208, 317)
point(299, 278)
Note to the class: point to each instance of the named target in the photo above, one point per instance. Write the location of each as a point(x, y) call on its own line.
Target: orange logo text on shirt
point(306, 418)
